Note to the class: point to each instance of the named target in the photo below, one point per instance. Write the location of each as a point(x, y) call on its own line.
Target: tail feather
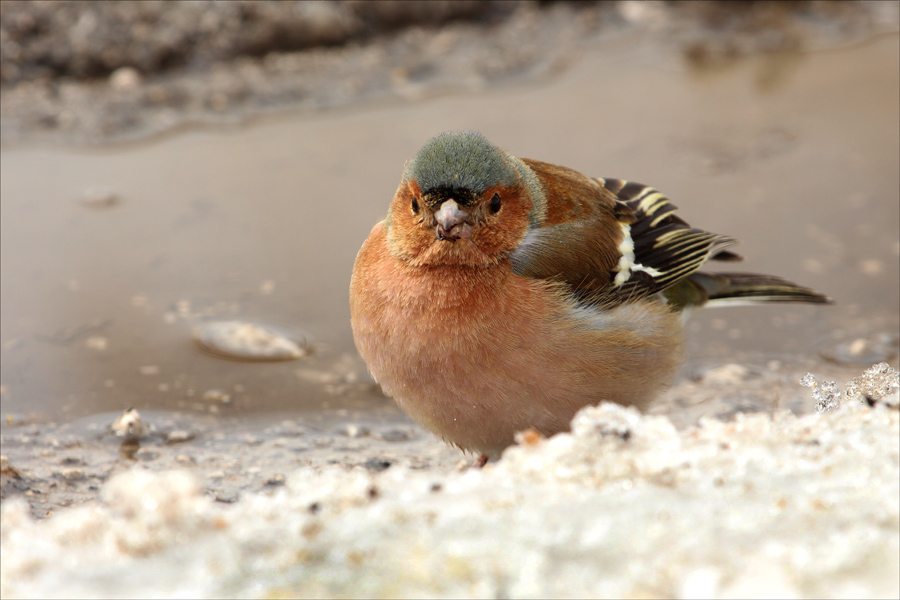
point(732, 289)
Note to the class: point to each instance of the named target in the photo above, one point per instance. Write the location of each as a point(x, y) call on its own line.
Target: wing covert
point(612, 240)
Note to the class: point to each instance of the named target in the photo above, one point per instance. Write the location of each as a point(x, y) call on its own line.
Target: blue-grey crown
point(460, 159)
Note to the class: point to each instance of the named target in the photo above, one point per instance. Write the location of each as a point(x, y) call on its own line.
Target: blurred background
point(169, 165)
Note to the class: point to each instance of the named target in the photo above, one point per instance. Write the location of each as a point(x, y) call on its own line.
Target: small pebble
point(394, 435)
point(275, 480)
point(355, 431)
point(178, 436)
point(129, 425)
point(73, 474)
point(240, 340)
point(125, 78)
point(146, 454)
point(377, 464)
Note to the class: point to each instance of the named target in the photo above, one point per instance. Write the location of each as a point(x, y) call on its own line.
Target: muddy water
point(111, 256)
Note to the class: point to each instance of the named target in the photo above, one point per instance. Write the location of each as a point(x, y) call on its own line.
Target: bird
point(503, 294)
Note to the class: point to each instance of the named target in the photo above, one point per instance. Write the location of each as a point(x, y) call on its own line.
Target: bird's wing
point(611, 240)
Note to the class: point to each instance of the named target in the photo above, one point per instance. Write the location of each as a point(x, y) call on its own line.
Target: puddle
point(111, 257)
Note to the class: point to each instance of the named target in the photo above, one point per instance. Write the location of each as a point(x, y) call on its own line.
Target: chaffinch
point(501, 294)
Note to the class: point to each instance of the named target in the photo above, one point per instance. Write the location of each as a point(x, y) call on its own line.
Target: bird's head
point(462, 201)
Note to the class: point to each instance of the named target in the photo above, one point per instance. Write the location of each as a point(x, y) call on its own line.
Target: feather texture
point(503, 293)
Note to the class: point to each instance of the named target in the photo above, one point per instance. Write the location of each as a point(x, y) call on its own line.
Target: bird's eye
point(415, 206)
point(495, 204)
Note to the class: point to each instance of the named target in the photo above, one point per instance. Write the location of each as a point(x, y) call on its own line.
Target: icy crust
point(623, 506)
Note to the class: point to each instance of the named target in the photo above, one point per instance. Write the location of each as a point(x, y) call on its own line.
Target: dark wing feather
point(613, 241)
point(666, 248)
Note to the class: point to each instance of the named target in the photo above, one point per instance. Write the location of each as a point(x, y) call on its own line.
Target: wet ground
point(113, 255)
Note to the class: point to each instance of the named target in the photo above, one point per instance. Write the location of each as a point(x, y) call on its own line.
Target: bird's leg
point(479, 462)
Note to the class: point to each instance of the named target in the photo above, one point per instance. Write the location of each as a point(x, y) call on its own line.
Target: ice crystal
point(877, 382)
point(827, 396)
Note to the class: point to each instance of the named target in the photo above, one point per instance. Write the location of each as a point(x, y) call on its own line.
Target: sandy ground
point(770, 503)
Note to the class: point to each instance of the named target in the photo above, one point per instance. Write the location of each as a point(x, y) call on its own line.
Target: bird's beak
point(451, 222)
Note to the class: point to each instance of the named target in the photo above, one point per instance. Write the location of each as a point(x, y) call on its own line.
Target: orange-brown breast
point(476, 354)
